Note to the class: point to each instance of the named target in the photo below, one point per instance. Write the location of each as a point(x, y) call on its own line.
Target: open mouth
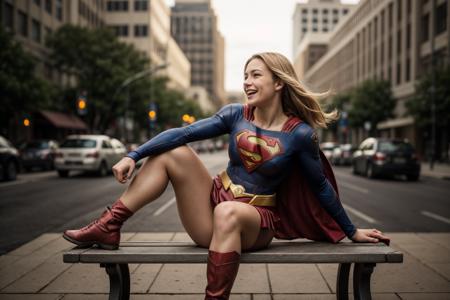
point(250, 92)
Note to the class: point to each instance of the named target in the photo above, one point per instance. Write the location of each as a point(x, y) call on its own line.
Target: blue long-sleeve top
point(259, 159)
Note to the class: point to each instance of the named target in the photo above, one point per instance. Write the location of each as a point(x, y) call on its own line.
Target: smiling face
point(259, 84)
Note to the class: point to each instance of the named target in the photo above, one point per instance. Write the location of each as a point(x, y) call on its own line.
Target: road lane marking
point(164, 207)
point(359, 214)
point(354, 187)
point(435, 216)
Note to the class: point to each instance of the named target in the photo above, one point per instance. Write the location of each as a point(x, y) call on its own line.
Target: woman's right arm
point(218, 124)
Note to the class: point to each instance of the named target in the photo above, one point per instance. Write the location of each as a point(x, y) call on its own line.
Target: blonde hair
point(296, 99)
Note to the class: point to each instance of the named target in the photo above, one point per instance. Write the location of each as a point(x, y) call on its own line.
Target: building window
point(141, 5)
point(315, 11)
point(7, 16)
point(390, 21)
point(37, 2)
point(314, 21)
point(408, 70)
point(59, 10)
point(304, 11)
point(345, 11)
point(120, 30)
point(140, 30)
point(425, 28)
point(325, 11)
point(399, 41)
point(117, 5)
point(22, 23)
point(304, 20)
point(36, 31)
point(304, 29)
point(399, 10)
point(441, 18)
point(47, 31)
point(48, 6)
point(399, 73)
point(335, 11)
point(408, 36)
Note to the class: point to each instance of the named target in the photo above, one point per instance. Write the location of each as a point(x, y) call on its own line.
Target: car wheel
point(103, 169)
point(414, 177)
point(369, 171)
point(63, 173)
point(11, 171)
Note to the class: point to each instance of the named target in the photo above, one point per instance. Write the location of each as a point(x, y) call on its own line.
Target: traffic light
point(81, 106)
point(186, 118)
point(26, 122)
point(152, 114)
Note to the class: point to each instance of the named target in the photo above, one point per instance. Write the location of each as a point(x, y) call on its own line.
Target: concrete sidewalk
point(35, 271)
point(440, 170)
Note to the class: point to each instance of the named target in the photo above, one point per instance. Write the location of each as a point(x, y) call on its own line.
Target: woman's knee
point(226, 217)
point(180, 153)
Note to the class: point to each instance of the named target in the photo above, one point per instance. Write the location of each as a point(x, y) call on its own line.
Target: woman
point(273, 148)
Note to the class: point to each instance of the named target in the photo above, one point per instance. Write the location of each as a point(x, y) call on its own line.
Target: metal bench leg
point(119, 281)
point(361, 280)
point(342, 281)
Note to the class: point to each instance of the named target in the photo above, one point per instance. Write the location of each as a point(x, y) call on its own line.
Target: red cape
point(301, 213)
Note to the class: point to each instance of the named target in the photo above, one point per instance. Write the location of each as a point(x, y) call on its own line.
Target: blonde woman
point(277, 183)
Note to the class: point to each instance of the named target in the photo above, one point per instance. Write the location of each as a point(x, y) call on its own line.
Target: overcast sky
point(251, 26)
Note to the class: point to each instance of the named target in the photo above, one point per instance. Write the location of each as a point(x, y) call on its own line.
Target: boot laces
point(96, 221)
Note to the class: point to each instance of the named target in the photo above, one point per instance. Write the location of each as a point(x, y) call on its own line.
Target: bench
point(364, 256)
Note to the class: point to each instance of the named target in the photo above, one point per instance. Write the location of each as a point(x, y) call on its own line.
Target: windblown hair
point(296, 99)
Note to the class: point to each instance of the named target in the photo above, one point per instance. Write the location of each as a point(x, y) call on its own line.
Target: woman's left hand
point(370, 235)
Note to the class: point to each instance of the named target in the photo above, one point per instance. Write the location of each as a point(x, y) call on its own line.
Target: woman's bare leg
point(237, 228)
point(192, 184)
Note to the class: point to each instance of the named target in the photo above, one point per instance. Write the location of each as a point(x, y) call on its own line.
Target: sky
point(252, 26)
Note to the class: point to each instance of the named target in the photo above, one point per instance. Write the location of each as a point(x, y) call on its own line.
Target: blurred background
point(83, 82)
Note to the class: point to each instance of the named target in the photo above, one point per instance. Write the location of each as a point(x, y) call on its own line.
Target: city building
point(389, 40)
point(316, 16)
point(236, 97)
point(194, 27)
point(146, 25)
point(201, 96)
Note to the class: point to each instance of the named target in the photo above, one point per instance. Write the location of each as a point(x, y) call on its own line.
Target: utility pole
point(433, 86)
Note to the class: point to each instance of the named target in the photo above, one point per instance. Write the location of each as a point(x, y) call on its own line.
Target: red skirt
point(269, 214)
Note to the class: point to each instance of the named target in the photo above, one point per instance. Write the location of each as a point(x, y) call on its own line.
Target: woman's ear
point(279, 85)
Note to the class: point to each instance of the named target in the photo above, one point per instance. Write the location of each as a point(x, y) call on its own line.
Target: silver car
point(97, 153)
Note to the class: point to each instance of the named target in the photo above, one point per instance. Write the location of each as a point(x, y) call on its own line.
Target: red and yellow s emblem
point(256, 149)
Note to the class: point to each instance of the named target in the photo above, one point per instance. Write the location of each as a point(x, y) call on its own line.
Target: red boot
point(221, 271)
point(104, 232)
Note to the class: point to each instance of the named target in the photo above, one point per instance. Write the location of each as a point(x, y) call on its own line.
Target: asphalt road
point(38, 203)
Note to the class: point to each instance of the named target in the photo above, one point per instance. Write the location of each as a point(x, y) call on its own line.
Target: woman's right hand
point(124, 169)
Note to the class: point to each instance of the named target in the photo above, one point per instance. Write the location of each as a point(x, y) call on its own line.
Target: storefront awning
point(62, 120)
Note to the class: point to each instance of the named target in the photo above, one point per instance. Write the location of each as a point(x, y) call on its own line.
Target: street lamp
point(129, 81)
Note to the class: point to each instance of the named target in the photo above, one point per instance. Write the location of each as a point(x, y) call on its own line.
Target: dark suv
point(9, 160)
point(383, 156)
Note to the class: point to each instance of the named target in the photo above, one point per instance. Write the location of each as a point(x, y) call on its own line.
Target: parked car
point(88, 153)
point(343, 154)
point(328, 148)
point(382, 156)
point(38, 153)
point(9, 160)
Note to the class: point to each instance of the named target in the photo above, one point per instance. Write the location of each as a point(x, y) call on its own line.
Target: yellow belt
point(238, 191)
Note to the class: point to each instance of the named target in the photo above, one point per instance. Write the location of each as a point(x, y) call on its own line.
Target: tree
point(100, 63)
point(372, 101)
point(21, 91)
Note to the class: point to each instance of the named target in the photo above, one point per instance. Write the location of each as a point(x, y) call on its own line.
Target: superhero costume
point(287, 163)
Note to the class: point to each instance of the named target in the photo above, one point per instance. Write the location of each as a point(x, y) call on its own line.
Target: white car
point(97, 153)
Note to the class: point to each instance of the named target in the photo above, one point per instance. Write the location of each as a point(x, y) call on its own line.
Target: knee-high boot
point(222, 269)
point(105, 231)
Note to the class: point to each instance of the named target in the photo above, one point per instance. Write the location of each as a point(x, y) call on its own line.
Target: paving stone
point(143, 277)
point(428, 252)
point(27, 263)
point(410, 276)
point(442, 239)
point(443, 269)
point(182, 237)
point(261, 297)
point(38, 278)
point(424, 296)
point(305, 296)
point(30, 296)
point(296, 278)
point(183, 297)
point(251, 278)
point(82, 278)
point(180, 278)
point(35, 244)
point(86, 297)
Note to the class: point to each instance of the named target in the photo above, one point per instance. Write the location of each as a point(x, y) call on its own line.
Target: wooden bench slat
point(278, 252)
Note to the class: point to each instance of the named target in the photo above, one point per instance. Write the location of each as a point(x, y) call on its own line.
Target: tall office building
point(194, 27)
point(146, 25)
point(391, 40)
point(316, 16)
point(32, 21)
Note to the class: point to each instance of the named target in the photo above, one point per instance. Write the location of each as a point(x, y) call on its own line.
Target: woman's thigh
point(192, 184)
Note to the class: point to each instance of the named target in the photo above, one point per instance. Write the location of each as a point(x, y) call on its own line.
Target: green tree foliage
point(420, 105)
point(372, 101)
point(99, 63)
point(21, 91)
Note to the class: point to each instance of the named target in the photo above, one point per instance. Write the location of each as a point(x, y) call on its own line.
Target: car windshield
point(395, 146)
point(79, 143)
point(37, 145)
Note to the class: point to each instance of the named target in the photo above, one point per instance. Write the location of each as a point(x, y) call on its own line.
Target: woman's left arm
point(311, 168)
